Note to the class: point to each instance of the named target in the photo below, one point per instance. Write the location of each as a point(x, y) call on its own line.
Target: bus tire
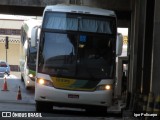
point(22, 78)
point(27, 87)
point(99, 111)
point(43, 106)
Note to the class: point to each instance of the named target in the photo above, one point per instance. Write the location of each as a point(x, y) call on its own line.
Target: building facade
point(10, 28)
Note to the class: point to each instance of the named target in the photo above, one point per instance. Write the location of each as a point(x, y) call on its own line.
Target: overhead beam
point(33, 3)
point(122, 5)
point(122, 8)
point(21, 10)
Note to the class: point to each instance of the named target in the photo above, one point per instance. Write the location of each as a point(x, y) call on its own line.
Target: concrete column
point(136, 45)
point(140, 33)
point(155, 73)
point(147, 56)
point(141, 45)
point(132, 47)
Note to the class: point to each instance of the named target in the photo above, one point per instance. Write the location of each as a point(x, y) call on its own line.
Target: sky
point(124, 31)
point(18, 17)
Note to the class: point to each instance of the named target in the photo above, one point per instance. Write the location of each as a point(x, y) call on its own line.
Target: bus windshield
point(83, 56)
point(77, 46)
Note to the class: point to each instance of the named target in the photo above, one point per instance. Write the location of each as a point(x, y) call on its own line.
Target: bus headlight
point(41, 81)
point(45, 82)
point(32, 77)
point(104, 87)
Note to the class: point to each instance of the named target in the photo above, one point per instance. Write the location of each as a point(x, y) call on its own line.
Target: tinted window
point(79, 22)
point(3, 64)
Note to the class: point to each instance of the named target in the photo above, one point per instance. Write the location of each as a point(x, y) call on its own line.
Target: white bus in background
point(28, 53)
point(76, 58)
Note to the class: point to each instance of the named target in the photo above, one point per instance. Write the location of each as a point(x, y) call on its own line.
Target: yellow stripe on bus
point(62, 82)
point(70, 84)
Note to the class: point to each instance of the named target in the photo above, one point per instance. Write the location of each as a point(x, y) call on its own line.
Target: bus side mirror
point(119, 44)
point(25, 47)
point(35, 36)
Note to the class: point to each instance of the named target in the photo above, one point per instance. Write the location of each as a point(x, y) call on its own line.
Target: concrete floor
point(17, 74)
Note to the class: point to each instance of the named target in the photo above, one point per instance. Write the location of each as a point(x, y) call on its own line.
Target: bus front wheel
point(43, 106)
point(22, 78)
point(97, 111)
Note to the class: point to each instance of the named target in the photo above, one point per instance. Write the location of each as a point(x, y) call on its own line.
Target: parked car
point(4, 68)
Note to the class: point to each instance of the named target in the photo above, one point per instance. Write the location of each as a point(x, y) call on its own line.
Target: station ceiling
point(122, 8)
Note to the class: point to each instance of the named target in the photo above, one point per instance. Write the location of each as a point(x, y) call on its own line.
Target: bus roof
point(79, 9)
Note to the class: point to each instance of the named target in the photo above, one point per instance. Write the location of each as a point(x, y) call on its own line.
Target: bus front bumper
point(62, 97)
point(29, 82)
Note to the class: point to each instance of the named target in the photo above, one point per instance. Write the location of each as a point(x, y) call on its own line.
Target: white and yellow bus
point(76, 58)
point(27, 53)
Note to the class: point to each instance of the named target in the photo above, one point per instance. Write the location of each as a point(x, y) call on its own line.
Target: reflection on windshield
point(57, 45)
point(78, 56)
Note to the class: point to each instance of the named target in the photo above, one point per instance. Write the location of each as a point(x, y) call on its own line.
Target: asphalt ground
point(10, 94)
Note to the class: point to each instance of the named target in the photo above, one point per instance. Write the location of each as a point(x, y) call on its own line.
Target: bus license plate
point(73, 96)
